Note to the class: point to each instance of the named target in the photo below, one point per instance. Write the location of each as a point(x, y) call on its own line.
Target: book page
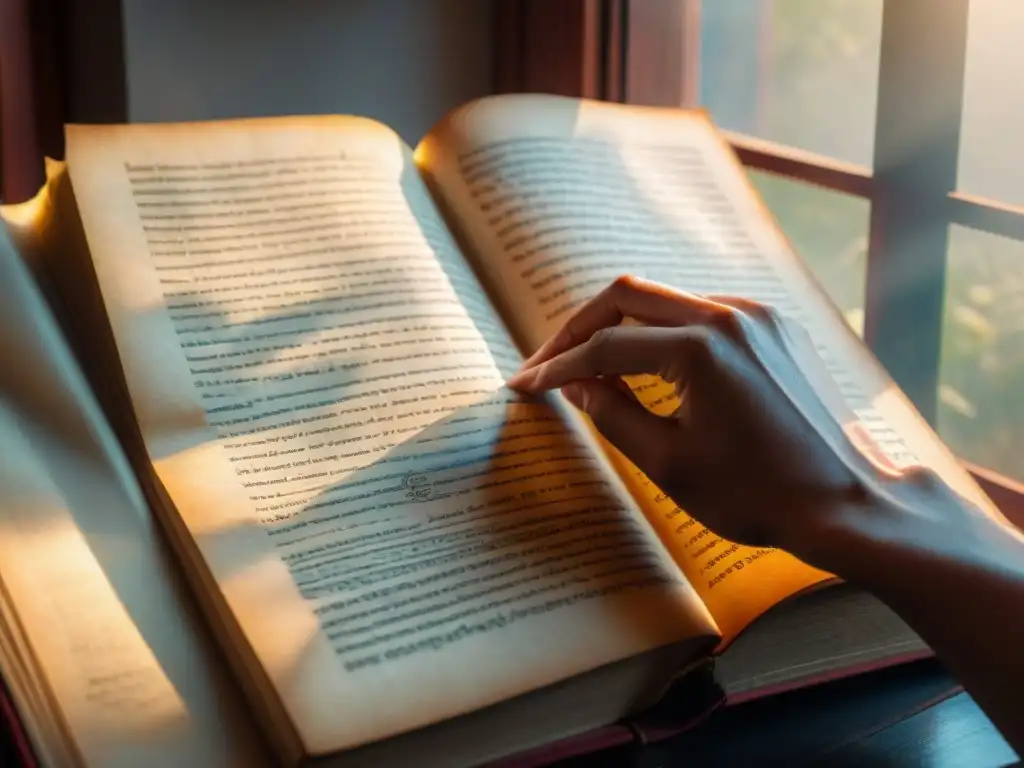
point(120, 705)
point(391, 533)
point(116, 667)
point(558, 197)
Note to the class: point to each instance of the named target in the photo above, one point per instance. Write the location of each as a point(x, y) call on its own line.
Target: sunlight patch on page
point(96, 657)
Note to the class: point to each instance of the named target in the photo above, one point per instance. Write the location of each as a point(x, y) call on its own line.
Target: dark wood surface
point(909, 716)
point(954, 733)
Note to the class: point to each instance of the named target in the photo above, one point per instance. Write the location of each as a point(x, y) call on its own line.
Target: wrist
point(851, 538)
point(890, 536)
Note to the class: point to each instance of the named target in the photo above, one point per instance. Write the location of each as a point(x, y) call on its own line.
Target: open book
point(299, 330)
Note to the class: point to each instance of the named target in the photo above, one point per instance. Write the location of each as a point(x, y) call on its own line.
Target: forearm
point(957, 578)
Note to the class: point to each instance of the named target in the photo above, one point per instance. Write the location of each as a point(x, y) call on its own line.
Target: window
point(883, 134)
point(802, 75)
point(818, 77)
point(830, 230)
point(981, 377)
point(981, 382)
point(797, 73)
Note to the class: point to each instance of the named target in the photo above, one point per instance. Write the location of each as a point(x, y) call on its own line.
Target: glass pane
point(829, 231)
point(798, 72)
point(981, 381)
point(992, 129)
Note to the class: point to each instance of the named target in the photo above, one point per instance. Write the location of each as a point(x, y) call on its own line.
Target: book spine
point(690, 700)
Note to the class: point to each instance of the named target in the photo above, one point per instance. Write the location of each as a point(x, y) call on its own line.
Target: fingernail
point(576, 394)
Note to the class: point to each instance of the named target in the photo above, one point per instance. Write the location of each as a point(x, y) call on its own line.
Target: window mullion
point(798, 164)
point(917, 143)
point(663, 51)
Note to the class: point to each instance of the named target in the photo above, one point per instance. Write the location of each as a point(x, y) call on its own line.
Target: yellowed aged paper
point(320, 383)
point(558, 197)
point(117, 659)
point(119, 704)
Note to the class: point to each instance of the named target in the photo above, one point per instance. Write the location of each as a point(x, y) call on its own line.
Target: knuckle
point(700, 347)
point(728, 322)
point(923, 477)
point(625, 286)
point(771, 315)
point(572, 332)
point(600, 346)
point(624, 283)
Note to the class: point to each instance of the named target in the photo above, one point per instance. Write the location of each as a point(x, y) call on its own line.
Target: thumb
point(646, 439)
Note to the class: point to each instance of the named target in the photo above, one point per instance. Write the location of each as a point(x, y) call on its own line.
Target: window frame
point(911, 187)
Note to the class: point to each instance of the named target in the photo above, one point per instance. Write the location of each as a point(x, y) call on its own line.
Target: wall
point(404, 62)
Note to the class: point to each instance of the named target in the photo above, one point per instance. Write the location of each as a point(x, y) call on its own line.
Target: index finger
point(643, 300)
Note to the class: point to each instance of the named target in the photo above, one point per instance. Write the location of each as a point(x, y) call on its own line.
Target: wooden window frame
point(581, 48)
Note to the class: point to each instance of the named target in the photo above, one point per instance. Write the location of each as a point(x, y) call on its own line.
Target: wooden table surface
point(910, 716)
point(953, 734)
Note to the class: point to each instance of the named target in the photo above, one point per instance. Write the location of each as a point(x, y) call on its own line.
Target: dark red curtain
point(31, 98)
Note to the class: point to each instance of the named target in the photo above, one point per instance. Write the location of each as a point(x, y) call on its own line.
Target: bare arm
point(955, 576)
point(750, 427)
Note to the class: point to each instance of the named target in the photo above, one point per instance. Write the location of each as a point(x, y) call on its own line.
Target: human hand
point(758, 450)
point(763, 451)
